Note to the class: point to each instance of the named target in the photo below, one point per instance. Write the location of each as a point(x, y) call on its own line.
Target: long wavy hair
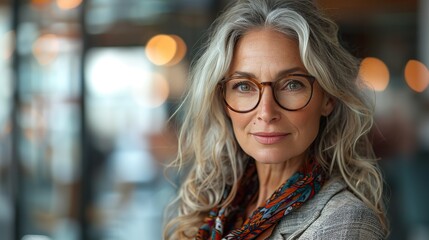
point(207, 146)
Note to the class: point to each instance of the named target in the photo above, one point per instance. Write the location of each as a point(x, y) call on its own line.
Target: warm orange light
point(68, 4)
point(180, 51)
point(375, 73)
point(46, 48)
point(416, 75)
point(161, 49)
point(39, 2)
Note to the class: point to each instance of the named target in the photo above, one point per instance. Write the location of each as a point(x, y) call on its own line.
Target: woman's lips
point(269, 138)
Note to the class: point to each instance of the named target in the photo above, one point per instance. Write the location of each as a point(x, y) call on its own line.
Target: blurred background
point(87, 88)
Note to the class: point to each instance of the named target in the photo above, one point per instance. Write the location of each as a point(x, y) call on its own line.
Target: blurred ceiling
point(357, 10)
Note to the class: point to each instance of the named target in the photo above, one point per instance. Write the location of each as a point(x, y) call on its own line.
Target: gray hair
point(206, 140)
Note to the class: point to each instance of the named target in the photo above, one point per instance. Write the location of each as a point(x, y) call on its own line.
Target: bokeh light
point(375, 73)
point(416, 75)
point(180, 50)
point(166, 50)
point(46, 48)
point(68, 4)
point(161, 49)
point(152, 91)
point(7, 43)
point(39, 2)
point(110, 71)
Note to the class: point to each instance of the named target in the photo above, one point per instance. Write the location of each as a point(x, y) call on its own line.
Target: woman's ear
point(328, 105)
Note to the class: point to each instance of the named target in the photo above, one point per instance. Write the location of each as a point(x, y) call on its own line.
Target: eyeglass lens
point(291, 93)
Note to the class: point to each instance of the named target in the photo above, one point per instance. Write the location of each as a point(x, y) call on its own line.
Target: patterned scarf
point(298, 189)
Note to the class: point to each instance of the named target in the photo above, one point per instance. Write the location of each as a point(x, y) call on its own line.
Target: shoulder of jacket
point(345, 217)
point(334, 213)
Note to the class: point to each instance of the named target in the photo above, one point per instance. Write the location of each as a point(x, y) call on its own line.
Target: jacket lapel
point(296, 222)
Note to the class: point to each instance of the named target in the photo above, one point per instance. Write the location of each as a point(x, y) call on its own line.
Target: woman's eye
point(244, 86)
point(294, 85)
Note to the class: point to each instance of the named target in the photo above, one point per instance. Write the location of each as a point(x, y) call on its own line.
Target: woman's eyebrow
point(243, 74)
point(280, 74)
point(291, 70)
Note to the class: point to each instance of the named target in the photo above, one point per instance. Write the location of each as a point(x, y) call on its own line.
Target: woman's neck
point(272, 176)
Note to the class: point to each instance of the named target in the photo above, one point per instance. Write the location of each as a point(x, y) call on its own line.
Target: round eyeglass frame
point(261, 86)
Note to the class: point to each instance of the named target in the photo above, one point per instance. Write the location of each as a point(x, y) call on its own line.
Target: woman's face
point(269, 133)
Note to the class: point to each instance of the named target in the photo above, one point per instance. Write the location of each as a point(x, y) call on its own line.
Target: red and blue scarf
point(229, 222)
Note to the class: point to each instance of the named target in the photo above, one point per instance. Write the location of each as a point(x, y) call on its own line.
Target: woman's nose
point(268, 109)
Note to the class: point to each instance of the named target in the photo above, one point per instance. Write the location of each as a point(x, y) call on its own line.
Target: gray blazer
point(333, 213)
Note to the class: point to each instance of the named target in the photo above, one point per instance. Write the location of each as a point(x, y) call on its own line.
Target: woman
point(275, 132)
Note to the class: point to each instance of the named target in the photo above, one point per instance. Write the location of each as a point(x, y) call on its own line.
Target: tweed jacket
point(333, 213)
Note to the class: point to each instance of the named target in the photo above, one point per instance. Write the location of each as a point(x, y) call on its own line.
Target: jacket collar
point(301, 218)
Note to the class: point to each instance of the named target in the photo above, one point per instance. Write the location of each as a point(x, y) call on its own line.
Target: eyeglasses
point(291, 92)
